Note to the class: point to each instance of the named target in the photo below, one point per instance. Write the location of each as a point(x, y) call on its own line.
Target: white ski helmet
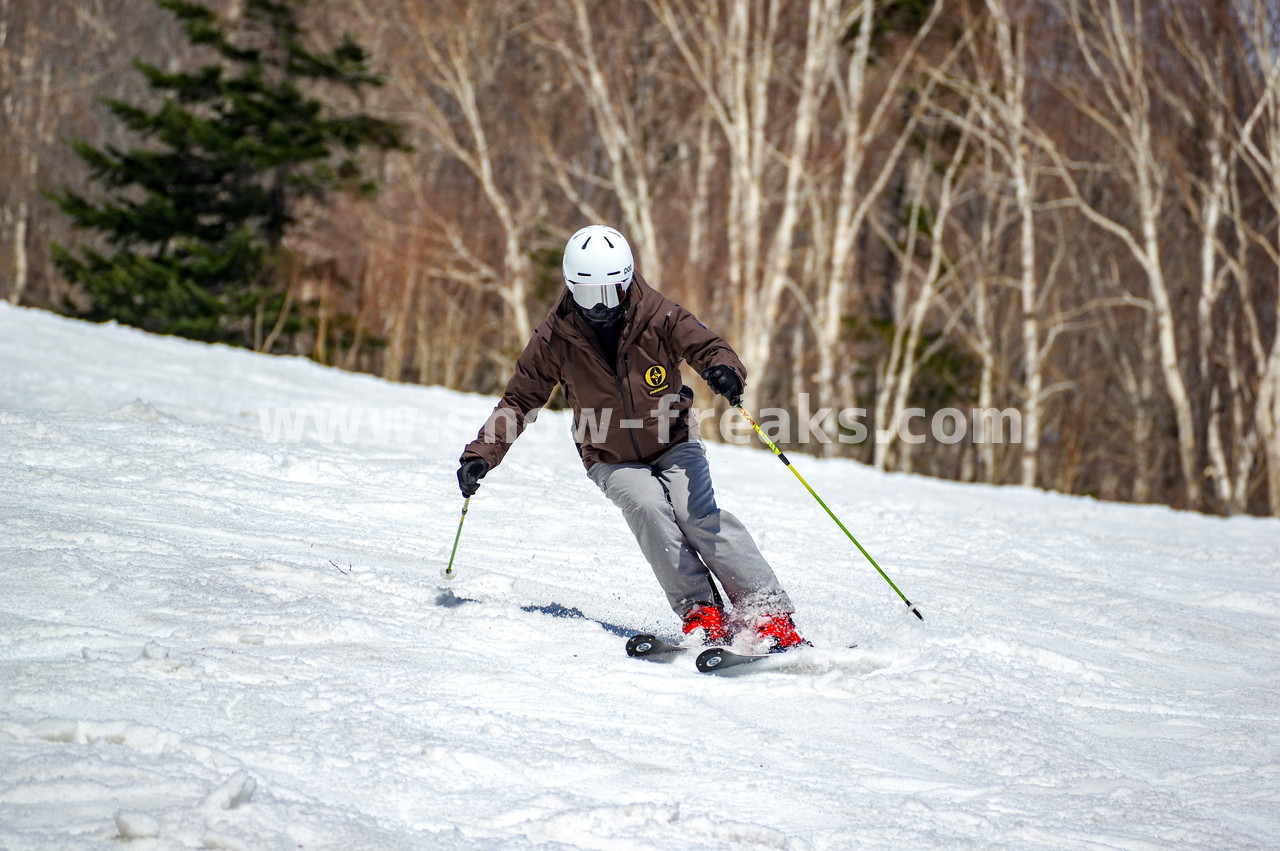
point(598, 266)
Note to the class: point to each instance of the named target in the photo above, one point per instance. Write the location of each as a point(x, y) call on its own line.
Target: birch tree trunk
point(1012, 50)
point(21, 268)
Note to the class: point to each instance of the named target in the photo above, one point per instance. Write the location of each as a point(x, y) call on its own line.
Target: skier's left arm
point(706, 351)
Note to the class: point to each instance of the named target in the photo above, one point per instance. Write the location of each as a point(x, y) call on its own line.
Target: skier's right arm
point(528, 389)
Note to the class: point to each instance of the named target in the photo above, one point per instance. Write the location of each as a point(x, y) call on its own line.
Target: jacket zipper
point(617, 380)
point(626, 407)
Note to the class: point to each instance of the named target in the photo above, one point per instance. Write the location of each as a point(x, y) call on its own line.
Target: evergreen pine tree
point(195, 219)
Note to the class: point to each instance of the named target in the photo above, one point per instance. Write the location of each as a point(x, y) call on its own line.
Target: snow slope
point(212, 639)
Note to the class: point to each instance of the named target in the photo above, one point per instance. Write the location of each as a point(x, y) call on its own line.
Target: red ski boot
point(711, 620)
point(778, 633)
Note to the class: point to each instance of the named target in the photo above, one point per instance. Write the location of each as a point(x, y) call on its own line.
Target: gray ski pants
point(671, 509)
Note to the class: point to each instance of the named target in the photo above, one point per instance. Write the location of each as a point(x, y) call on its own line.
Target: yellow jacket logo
point(656, 377)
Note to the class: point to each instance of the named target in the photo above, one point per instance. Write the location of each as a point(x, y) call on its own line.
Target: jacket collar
point(643, 302)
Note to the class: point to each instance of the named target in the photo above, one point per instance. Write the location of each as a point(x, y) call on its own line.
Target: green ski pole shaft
point(447, 573)
point(783, 458)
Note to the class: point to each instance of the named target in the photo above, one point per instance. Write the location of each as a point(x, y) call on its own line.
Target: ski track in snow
point(211, 640)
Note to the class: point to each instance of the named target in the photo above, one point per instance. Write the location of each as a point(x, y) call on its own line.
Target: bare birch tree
point(730, 52)
point(998, 98)
point(449, 81)
point(1116, 97)
point(867, 114)
point(1206, 101)
point(1259, 141)
point(617, 126)
point(923, 232)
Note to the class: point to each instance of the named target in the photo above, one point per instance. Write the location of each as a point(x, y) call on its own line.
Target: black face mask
point(601, 316)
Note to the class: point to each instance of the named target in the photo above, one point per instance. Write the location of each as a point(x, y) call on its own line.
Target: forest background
point(1064, 208)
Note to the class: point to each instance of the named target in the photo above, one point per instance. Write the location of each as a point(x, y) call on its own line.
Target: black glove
point(470, 474)
point(725, 382)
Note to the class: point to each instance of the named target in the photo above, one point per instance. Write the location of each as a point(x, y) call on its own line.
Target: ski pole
point(783, 458)
point(447, 572)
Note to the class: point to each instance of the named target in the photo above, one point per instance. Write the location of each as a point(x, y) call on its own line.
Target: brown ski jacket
point(631, 410)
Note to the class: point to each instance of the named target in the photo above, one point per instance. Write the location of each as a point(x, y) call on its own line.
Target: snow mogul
point(615, 345)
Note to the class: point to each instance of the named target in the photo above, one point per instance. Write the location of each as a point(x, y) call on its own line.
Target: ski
point(716, 659)
point(643, 646)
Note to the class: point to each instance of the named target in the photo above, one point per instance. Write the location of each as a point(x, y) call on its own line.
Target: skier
point(614, 344)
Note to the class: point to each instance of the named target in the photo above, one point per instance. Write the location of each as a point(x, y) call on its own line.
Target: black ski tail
point(644, 646)
point(713, 660)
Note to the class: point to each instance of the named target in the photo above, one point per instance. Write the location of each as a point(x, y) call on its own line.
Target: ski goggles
point(589, 295)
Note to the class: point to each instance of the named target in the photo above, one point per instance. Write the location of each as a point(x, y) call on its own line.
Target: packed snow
point(223, 625)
